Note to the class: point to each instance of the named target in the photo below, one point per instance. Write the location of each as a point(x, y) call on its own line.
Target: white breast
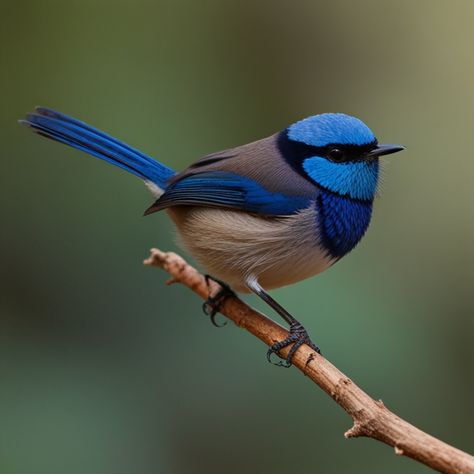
point(233, 245)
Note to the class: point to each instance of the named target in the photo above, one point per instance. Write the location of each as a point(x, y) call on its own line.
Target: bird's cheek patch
point(357, 180)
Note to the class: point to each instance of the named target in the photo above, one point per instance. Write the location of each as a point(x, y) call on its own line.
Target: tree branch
point(370, 417)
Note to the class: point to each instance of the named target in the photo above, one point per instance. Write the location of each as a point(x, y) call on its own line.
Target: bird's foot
point(297, 336)
point(213, 303)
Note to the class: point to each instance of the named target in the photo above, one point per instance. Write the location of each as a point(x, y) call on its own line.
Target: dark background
point(105, 370)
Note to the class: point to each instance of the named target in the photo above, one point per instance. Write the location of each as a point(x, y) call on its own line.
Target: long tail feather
point(77, 134)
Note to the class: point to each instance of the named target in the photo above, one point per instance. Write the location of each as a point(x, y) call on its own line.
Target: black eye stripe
point(344, 153)
point(296, 152)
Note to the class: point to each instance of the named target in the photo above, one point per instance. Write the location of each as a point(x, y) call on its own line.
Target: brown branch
point(370, 417)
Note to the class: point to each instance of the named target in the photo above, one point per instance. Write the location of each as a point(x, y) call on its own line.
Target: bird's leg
point(213, 303)
point(297, 336)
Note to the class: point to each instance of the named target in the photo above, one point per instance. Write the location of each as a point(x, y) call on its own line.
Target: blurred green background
point(103, 369)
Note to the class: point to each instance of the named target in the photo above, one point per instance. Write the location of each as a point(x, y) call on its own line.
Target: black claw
point(279, 363)
point(212, 304)
point(209, 309)
point(297, 336)
point(215, 323)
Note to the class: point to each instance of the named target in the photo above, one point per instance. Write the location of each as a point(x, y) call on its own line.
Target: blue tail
point(79, 135)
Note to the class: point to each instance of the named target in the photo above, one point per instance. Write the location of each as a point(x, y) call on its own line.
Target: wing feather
point(228, 190)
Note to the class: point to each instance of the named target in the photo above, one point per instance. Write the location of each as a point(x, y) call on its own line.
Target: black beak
point(380, 150)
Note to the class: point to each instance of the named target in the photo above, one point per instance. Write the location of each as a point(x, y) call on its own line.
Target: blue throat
point(342, 222)
point(344, 203)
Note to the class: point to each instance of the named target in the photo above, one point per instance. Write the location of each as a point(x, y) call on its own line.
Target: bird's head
point(336, 151)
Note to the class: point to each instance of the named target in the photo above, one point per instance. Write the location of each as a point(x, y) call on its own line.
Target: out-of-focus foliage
point(102, 368)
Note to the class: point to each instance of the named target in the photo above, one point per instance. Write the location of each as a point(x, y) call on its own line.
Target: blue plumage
point(77, 134)
point(342, 222)
point(357, 180)
point(262, 215)
point(224, 189)
point(325, 129)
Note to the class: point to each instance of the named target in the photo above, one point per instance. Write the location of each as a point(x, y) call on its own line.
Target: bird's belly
point(233, 245)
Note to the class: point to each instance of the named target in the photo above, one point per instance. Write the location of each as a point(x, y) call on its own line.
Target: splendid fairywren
point(261, 215)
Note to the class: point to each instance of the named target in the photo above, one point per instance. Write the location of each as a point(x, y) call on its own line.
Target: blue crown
point(325, 129)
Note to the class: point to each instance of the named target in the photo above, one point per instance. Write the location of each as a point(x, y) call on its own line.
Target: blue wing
point(228, 190)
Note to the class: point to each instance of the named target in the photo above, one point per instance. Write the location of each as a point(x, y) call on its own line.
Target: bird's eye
point(336, 154)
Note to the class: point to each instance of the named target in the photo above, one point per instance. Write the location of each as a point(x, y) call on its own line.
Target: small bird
point(258, 216)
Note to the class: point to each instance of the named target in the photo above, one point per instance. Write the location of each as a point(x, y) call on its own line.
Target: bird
point(259, 216)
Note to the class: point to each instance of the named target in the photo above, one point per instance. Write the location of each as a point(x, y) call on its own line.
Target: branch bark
point(371, 418)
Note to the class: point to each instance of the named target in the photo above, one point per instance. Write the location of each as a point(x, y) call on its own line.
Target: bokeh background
point(103, 369)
